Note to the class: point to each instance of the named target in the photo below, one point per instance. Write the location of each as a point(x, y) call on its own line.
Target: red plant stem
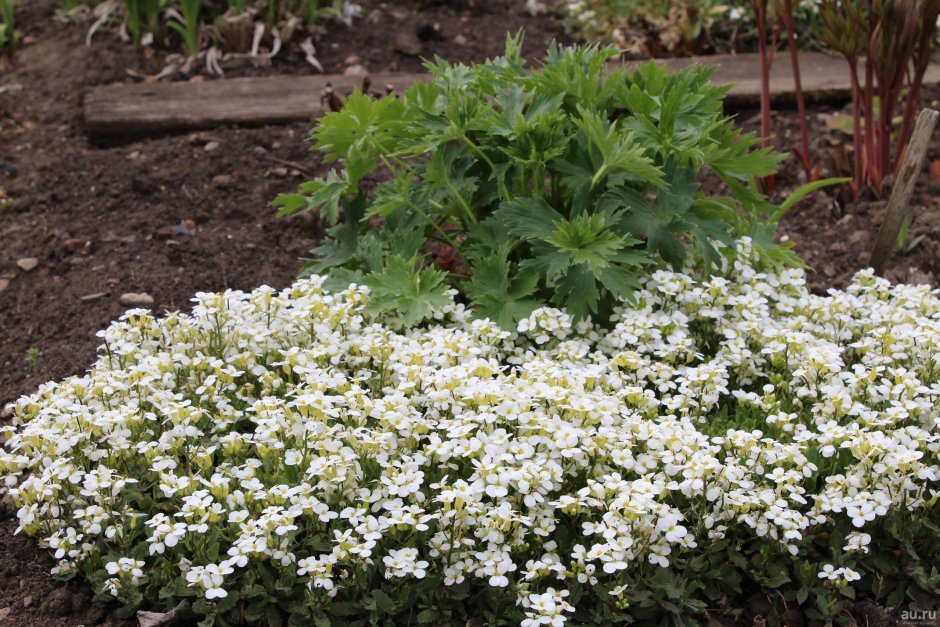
point(920, 68)
point(857, 125)
point(760, 8)
point(766, 62)
point(884, 129)
point(787, 15)
point(871, 174)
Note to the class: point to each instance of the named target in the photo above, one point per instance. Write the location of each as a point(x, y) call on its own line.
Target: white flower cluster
point(293, 431)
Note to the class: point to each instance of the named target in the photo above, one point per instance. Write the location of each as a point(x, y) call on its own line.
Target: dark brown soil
point(175, 215)
point(835, 234)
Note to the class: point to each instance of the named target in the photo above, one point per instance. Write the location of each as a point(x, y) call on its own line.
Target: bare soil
point(175, 215)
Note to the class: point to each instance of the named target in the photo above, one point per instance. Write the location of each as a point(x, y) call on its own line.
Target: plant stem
point(859, 174)
point(787, 15)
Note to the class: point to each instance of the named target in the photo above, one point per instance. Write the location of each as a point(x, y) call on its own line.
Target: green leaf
point(587, 239)
point(383, 602)
point(405, 290)
point(344, 609)
point(530, 218)
point(497, 297)
point(577, 292)
point(805, 190)
point(323, 194)
point(619, 153)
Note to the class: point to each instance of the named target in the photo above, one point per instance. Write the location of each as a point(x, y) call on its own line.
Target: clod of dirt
point(211, 146)
point(4, 284)
point(406, 41)
point(353, 59)
point(460, 40)
point(868, 613)
point(4, 612)
point(27, 264)
point(429, 31)
point(27, 601)
point(136, 299)
point(7, 508)
point(58, 603)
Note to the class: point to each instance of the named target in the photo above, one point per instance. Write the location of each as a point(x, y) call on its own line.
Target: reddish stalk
point(869, 102)
point(859, 174)
point(787, 16)
point(920, 68)
point(766, 54)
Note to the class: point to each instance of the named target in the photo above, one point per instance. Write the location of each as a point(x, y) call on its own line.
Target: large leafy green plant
point(523, 189)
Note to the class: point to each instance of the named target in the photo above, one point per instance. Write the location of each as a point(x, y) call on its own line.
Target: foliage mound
point(523, 189)
point(291, 457)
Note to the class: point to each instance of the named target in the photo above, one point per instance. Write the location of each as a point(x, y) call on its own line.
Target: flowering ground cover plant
point(292, 457)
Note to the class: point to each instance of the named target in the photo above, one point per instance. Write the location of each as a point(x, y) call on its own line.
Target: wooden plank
point(899, 202)
point(131, 109)
point(122, 111)
point(825, 77)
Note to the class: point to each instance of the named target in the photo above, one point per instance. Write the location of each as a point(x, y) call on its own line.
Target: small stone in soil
point(111, 237)
point(87, 298)
point(135, 299)
point(279, 172)
point(27, 264)
point(222, 181)
point(4, 284)
point(72, 245)
point(211, 146)
point(182, 228)
point(356, 70)
point(353, 59)
point(27, 601)
point(4, 612)
point(460, 40)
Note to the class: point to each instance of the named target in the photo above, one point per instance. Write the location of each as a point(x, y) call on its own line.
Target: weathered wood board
point(134, 109)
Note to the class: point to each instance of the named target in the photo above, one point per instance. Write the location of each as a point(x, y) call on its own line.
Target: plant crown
point(555, 187)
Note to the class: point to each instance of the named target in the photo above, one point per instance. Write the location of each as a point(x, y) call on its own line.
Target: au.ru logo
point(919, 617)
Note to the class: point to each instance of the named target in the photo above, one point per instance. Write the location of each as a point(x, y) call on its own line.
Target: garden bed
point(175, 215)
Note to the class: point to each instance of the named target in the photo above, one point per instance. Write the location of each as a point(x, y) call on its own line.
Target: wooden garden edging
point(126, 110)
point(123, 111)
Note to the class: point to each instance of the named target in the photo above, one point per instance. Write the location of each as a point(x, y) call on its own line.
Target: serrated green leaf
point(497, 297)
point(587, 239)
point(529, 218)
point(405, 290)
point(325, 194)
point(577, 291)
